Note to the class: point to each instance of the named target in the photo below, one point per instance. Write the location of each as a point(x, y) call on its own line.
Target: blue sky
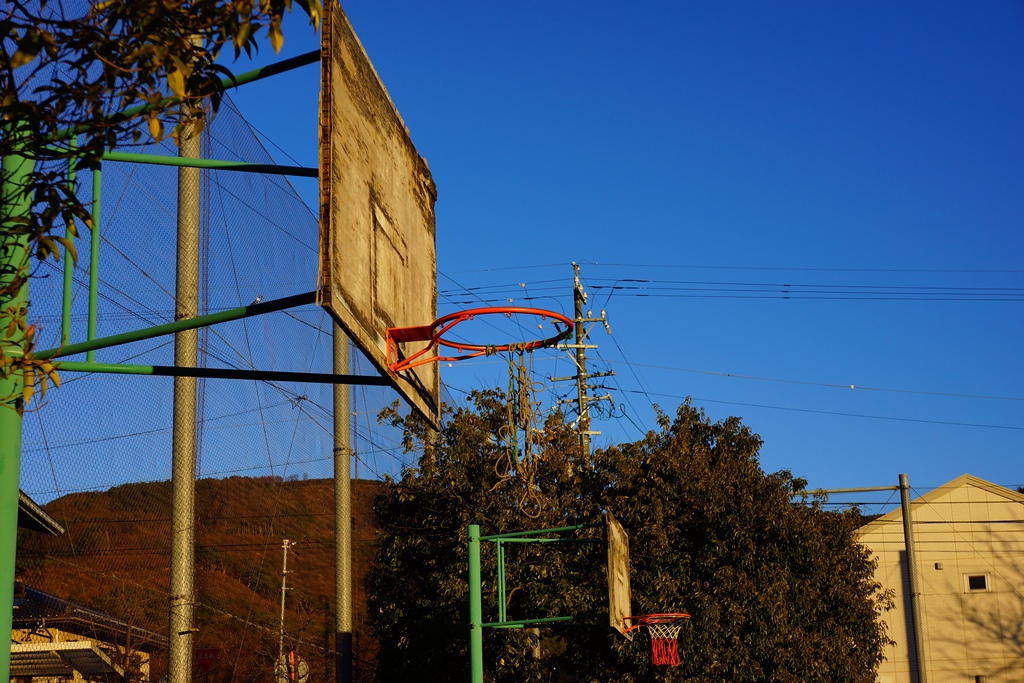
point(772, 202)
point(871, 152)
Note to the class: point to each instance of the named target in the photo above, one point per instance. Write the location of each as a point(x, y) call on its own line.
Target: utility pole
point(583, 398)
point(183, 435)
point(914, 579)
point(282, 665)
point(579, 298)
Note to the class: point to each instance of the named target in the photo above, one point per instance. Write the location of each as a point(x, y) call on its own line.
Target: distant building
point(969, 538)
point(35, 518)
point(54, 640)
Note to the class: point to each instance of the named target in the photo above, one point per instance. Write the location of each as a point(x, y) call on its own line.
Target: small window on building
point(977, 582)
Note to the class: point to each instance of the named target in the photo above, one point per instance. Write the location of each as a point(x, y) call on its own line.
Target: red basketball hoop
point(434, 333)
point(663, 630)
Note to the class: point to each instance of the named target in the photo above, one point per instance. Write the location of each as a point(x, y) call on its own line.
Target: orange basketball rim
point(436, 331)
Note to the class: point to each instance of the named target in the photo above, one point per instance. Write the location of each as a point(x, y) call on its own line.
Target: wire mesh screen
point(97, 451)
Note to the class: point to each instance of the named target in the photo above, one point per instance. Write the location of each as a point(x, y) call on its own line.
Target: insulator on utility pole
point(583, 399)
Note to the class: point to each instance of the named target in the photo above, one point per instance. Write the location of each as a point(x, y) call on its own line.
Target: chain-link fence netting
point(97, 451)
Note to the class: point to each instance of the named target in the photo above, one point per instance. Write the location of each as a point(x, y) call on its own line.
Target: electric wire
point(842, 414)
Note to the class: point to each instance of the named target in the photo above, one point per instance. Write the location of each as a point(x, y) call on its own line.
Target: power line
point(839, 414)
point(831, 385)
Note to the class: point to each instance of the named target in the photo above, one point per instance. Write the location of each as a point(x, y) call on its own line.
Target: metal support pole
point(15, 203)
point(342, 516)
point(183, 440)
point(579, 298)
point(915, 581)
point(476, 626)
point(69, 266)
point(500, 552)
point(282, 668)
point(94, 257)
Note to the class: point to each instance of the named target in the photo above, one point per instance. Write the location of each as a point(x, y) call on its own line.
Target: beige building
point(969, 538)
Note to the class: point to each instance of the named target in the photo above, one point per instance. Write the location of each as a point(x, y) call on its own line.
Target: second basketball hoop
point(435, 335)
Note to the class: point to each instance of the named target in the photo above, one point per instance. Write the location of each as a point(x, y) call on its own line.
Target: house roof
point(31, 516)
point(36, 609)
point(942, 491)
point(61, 659)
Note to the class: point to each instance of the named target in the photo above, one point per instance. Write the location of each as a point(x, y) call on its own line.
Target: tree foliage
point(78, 78)
point(418, 593)
point(778, 591)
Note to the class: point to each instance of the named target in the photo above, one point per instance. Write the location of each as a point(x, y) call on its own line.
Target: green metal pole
point(537, 532)
point(69, 267)
point(213, 164)
point(522, 623)
point(179, 325)
point(15, 203)
point(476, 626)
point(232, 82)
point(501, 580)
point(94, 258)
point(224, 373)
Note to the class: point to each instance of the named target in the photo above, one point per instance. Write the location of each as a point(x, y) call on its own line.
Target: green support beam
point(213, 164)
point(526, 623)
point(232, 82)
point(540, 532)
point(179, 325)
point(476, 625)
point(15, 204)
point(223, 373)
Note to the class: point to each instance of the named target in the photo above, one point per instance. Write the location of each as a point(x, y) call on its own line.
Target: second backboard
point(619, 596)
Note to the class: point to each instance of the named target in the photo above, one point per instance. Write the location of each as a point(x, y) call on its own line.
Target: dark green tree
point(779, 591)
point(418, 592)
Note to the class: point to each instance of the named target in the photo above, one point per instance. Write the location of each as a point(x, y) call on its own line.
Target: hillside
point(114, 557)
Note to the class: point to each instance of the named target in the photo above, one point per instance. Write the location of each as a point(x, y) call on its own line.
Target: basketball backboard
point(619, 601)
point(378, 265)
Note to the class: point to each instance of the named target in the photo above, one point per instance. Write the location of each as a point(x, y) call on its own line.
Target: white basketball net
point(665, 642)
point(665, 631)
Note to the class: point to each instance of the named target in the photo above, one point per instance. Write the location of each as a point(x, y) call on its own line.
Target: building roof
point(62, 659)
point(36, 609)
point(941, 492)
point(31, 516)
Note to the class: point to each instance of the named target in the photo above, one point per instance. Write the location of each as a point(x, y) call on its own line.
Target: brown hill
point(115, 557)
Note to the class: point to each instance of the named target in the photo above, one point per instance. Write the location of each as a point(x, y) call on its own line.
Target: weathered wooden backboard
point(619, 600)
point(378, 266)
